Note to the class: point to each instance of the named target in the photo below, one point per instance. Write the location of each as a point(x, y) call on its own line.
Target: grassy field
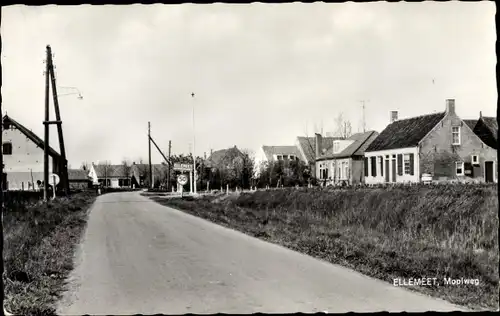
point(396, 232)
point(38, 250)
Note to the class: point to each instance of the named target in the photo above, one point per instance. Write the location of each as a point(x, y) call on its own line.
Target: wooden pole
point(46, 136)
point(169, 167)
point(150, 166)
point(63, 164)
point(2, 209)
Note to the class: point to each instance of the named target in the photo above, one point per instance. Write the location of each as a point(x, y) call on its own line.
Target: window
point(279, 157)
point(346, 170)
point(292, 157)
point(406, 163)
point(475, 159)
point(459, 167)
point(7, 148)
point(336, 147)
point(455, 135)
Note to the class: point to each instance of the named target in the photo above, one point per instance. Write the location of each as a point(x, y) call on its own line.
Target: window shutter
point(366, 166)
point(374, 166)
point(400, 164)
point(381, 166)
point(412, 168)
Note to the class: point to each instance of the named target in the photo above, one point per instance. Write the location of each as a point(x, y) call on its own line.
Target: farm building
point(23, 157)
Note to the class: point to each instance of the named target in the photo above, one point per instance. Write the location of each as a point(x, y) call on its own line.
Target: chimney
point(480, 114)
point(211, 152)
point(133, 163)
point(394, 116)
point(319, 142)
point(450, 106)
point(205, 155)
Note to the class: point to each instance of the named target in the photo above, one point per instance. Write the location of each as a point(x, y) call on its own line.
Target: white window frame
point(406, 159)
point(336, 146)
point(346, 170)
point(461, 164)
point(455, 133)
point(475, 162)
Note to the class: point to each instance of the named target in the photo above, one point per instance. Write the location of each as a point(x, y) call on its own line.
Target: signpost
point(183, 167)
point(182, 180)
point(53, 181)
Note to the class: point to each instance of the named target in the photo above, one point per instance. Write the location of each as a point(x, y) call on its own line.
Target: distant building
point(343, 160)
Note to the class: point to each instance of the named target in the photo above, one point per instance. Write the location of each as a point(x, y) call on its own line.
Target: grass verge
point(399, 232)
point(38, 256)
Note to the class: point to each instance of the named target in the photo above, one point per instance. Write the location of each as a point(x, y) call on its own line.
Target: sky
point(262, 74)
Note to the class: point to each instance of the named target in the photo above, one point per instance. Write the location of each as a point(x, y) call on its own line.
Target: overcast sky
point(261, 73)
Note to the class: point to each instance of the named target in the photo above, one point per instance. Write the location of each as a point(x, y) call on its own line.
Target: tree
point(106, 170)
point(127, 168)
point(84, 166)
point(343, 128)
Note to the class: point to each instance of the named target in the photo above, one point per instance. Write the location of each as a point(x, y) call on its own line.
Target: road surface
point(138, 256)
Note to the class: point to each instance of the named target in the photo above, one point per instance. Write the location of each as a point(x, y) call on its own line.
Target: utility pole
point(194, 150)
point(64, 163)
point(1, 205)
point(364, 120)
point(150, 167)
point(46, 140)
point(168, 170)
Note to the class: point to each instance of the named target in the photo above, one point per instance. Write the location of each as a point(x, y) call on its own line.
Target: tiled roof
point(138, 169)
point(405, 133)
point(269, 151)
point(219, 156)
point(32, 136)
point(470, 123)
point(357, 148)
point(492, 124)
point(308, 145)
point(110, 171)
point(77, 174)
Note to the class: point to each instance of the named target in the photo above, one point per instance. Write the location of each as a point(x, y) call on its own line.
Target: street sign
point(54, 179)
point(182, 179)
point(183, 166)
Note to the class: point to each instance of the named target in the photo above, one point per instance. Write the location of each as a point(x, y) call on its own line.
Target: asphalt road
point(141, 257)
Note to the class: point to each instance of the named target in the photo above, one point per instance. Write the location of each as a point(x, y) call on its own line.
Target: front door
point(386, 170)
point(488, 171)
point(393, 170)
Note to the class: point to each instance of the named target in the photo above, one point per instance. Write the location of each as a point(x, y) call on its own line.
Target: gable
point(30, 135)
point(405, 133)
point(487, 130)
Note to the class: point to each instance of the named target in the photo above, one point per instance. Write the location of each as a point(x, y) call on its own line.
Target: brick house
point(23, 157)
point(343, 160)
point(441, 146)
point(307, 147)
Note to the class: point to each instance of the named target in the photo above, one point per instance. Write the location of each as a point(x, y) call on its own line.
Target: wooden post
point(169, 167)
point(63, 164)
point(46, 125)
point(150, 167)
point(1, 210)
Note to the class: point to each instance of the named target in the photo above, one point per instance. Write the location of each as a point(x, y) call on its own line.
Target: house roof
point(138, 169)
point(308, 145)
point(405, 133)
point(269, 151)
point(492, 124)
point(110, 171)
point(470, 123)
point(219, 156)
point(357, 148)
point(32, 136)
point(78, 174)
